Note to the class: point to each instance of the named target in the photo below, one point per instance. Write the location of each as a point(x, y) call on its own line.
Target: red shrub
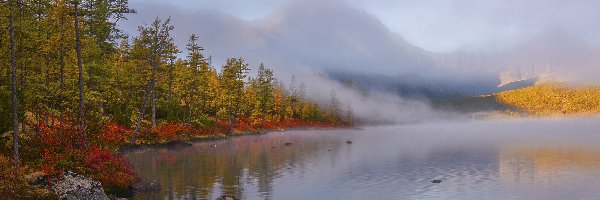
point(64, 136)
point(59, 149)
point(109, 168)
point(56, 148)
point(166, 132)
point(112, 136)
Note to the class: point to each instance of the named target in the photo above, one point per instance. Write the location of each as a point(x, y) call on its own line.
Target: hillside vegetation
point(553, 99)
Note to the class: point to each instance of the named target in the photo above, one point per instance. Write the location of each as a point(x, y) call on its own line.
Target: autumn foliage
point(554, 99)
point(126, 89)
point(166, 132)
point(109, 168)
point(59, 148)
point(172, 132)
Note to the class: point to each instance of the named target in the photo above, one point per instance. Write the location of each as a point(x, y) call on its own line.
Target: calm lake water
point(547, 159)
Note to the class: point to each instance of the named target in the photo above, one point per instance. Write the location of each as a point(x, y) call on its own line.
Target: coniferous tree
point(121, 83)
point(231, 82)
point(198, 64)
point(265, 89)
point(153, 46)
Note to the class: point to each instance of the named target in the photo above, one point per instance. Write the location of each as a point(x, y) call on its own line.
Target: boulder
point(225, 197)
point(72, 186)
point(147, 186)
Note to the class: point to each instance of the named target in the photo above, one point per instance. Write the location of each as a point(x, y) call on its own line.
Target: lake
point(516, 159)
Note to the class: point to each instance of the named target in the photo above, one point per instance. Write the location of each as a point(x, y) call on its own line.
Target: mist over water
point(521, 159)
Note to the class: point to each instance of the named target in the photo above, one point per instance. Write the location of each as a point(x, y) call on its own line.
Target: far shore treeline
point(74, 89)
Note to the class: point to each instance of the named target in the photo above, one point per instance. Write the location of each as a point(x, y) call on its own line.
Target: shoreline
point(181, 143)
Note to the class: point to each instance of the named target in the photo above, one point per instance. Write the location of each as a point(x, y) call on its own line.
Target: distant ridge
point(517, 84)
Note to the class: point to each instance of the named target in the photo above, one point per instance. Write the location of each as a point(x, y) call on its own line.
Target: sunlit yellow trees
point(554, 99)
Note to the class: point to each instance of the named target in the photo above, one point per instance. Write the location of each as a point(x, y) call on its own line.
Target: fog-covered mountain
point(347, 43)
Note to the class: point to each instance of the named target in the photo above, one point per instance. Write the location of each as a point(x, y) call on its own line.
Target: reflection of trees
point(195, 172)
point(544, 163)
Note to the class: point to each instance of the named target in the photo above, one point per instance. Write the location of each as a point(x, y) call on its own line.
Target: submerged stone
point(225, 197)
point(147, 186)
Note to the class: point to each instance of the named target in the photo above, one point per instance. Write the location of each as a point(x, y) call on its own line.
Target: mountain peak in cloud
point(333, 35)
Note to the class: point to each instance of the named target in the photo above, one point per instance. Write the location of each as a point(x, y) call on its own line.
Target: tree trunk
point(190, 100)
point(48, 99)
point(101, 103)
point(62, 75)
point(80, 68)
point(37, 119)
point(13, 58)
point(153, 94)
point(142, 112)
point(190, 111)
point(171, 80)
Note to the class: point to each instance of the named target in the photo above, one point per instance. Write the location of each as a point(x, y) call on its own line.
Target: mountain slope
point(553, 99)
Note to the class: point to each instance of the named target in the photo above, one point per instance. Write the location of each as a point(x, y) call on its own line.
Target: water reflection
point(522, 160)
point(543, 165)
point(210, 169)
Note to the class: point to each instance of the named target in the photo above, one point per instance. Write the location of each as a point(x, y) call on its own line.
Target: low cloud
point(315, 39)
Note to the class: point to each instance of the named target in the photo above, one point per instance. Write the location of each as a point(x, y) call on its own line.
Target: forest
point(75, 88)
point(553, 99)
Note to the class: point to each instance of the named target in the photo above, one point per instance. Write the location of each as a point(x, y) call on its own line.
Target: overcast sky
point(440, 26)
point(432, 39)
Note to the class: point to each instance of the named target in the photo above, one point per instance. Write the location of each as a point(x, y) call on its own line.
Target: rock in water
point(348, 142)
point(147, 186)
point(224, 197)
point(72, 186)
point(436, 181)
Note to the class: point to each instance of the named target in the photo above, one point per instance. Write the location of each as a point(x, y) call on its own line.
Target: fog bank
point(482, 45)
